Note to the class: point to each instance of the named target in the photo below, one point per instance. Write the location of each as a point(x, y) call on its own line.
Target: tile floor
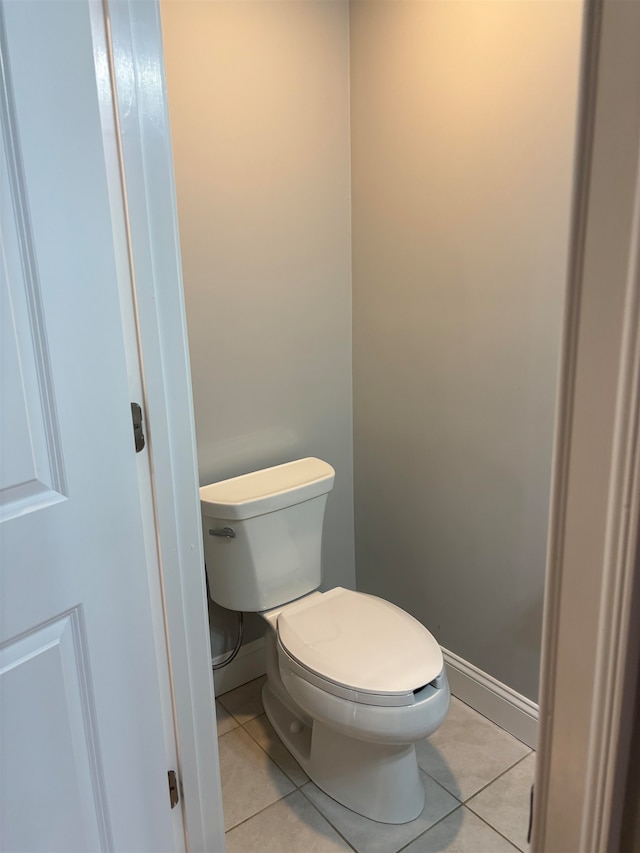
point(477, 780)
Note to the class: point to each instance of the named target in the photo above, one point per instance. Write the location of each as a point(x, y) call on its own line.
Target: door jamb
point(145, 143)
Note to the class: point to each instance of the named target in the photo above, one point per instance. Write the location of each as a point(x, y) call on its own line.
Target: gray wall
point(462, 122)
point(258, 97)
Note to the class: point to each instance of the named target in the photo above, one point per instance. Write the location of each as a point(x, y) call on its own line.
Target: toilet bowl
point(347, 711)
point(353, 682)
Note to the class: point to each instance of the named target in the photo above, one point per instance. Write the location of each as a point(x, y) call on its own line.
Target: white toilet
point(353, 682)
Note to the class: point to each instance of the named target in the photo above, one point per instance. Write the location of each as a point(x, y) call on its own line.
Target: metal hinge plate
point(138, 435)
point(174, 796)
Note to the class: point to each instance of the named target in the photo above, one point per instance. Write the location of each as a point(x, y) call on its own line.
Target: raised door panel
point(51, 776)
point(31, 474)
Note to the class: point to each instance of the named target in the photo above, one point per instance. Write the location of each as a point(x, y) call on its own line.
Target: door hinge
point(138, 435)
point(174, 795)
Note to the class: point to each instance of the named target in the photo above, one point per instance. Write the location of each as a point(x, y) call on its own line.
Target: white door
point(83, 677)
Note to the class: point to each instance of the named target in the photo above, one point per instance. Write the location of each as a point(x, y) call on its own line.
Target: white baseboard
point(247, 665)
point(494, 700)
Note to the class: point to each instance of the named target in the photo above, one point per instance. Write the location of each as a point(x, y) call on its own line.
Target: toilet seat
point(358, 647)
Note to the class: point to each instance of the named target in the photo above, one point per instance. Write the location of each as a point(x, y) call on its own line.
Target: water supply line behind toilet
point(240, 636)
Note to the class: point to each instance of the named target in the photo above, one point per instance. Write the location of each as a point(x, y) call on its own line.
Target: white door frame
point(590, 646)
point(136, 62)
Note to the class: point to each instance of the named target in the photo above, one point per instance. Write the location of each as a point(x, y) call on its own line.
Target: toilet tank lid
point(267, 490)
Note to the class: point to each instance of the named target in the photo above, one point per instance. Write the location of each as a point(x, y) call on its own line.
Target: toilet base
point(379, 781)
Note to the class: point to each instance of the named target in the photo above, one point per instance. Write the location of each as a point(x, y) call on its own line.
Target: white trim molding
point(590, 648)
point(501, 704)
point(616, 638)
point(249, 663)
point(137, 67)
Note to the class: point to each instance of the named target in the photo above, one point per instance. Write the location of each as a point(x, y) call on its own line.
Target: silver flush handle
point(224, 532)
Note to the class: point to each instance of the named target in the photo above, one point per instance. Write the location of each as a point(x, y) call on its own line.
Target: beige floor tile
point(225, 722)
point(245, 702)
point(262, 731)
point(505, 803)
point(460, 832)
point(250, 779)
point(291, 825)
point(468, 751)
point(369, 836)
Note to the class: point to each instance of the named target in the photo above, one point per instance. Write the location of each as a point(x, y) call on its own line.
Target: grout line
point(322, 814)
point(497, 831)
point(228, 731)
point(444, 817)
point(263, 809)
point(499, 776)
point(283, 797)
point(429, 828)
point(456, 797)
point(271, 758)
point(484, 819)
point(227, 692)
point(475, 793)
point(286, 796)
point(239, 722)
point(233, 719)
point(458, 806)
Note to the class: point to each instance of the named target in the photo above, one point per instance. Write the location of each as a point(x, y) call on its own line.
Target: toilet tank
point(263, 534)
